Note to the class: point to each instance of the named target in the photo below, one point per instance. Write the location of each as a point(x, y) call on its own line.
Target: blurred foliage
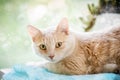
point(15, 15)
point(91, 18)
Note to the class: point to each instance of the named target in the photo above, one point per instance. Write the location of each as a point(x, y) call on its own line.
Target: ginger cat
point(74, 53)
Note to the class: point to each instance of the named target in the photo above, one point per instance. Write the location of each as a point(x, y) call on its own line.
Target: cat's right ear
point(63, 26)
point(34, 33)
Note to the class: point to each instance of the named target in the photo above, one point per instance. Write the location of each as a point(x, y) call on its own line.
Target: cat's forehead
point(50, 34)
point(52, 37)
point(49, 30)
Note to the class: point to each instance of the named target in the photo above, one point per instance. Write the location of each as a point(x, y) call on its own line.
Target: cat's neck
point(78, 43)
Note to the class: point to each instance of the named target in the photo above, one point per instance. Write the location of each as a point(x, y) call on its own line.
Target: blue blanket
point(21, 72)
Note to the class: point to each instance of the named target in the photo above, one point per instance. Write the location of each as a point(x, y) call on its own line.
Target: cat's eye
point(58, 44)
point(42, 47)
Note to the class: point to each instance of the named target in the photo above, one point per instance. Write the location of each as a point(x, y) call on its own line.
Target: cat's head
point(53, 44)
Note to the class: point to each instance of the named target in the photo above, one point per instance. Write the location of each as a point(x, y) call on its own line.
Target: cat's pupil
point(58, 44)
point(43, 47)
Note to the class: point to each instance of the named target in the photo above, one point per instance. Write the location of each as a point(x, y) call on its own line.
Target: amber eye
point(58, 44)
point(42, 47)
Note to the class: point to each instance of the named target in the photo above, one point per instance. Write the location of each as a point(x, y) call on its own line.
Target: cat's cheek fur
point(68, 49)
point(58, 57)
point(36, 50)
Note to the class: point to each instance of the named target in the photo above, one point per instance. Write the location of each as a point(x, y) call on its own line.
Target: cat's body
point(78, 53)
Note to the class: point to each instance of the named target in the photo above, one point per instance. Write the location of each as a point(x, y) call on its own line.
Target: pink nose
point(51, 56)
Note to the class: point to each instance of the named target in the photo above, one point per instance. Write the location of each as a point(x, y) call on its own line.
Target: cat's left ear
point(63, 26)
point(34, 33)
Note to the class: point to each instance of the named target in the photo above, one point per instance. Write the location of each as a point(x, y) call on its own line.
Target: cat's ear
point(63, 26)
point(34, 33)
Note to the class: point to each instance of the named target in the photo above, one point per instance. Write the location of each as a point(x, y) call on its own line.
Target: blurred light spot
point(6, 45)
point(57, 4)
point(27, 43)
point(35, 13)
point(2, 37)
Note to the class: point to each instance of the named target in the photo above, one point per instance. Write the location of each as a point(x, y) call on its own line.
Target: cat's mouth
point(53, 60)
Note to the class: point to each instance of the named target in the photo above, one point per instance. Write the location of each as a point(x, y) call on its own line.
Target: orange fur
point(80, 53)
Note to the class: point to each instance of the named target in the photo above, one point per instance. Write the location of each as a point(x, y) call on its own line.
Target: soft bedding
point(22, 72)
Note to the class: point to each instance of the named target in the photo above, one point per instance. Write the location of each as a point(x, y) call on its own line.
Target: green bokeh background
point(15, 15)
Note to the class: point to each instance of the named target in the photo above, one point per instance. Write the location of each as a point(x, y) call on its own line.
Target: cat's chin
point(53, 60)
